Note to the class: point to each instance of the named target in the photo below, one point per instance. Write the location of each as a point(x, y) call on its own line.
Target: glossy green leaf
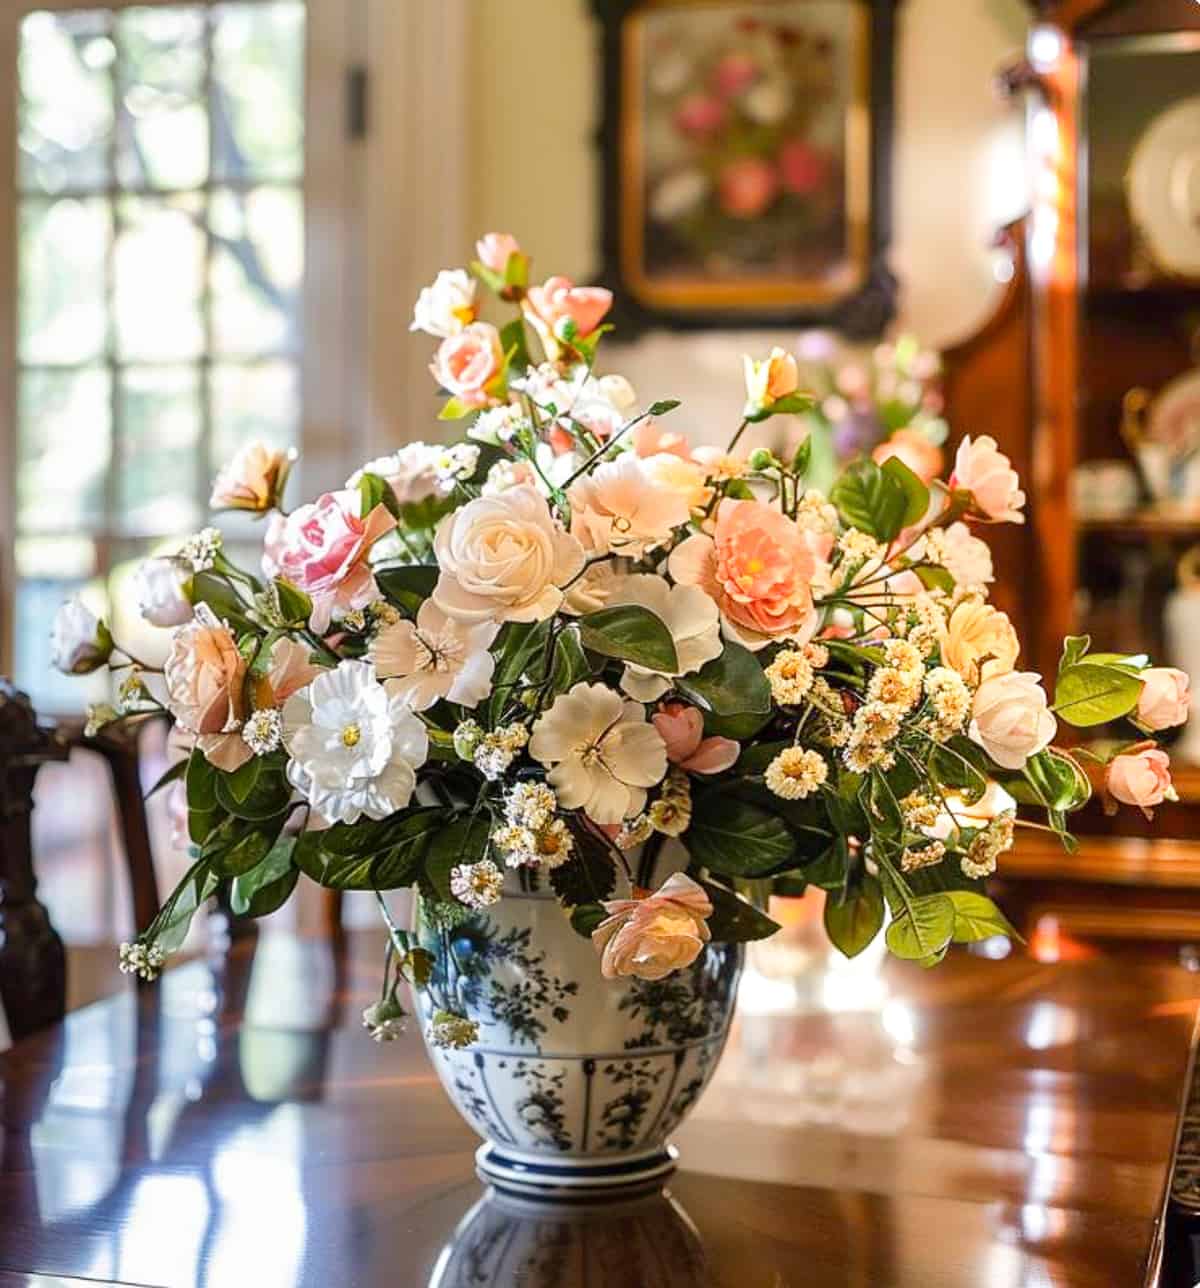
point(630, 633)
point(463, 841)
point(735, 838)
point(916, 493)
point(922, 928)
point(408, 586)
point(1091, 693)
point(519, 643)
point(853, 925)
point(869, 499)
point(268, 885)
point(976, 917)
point(732, 684)
point(734, 919)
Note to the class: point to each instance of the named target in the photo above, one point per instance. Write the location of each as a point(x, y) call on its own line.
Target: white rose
point(158, 584)
point(447, 306)
point(504, 558)
point(411, 472)
point(79, 640)
point(1011, 719)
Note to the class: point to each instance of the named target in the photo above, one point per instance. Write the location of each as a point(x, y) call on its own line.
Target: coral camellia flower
point(1011, 718)
point(470, 364)
point(253, 480)
point(355, 747)
point(981, 469)
point(652, 937)
point(682, 729)
point(759, 567)
point(623, 506)
point(561, 312)
point(322, 548)
point(1141, 778)
point(746, 187)
point(504, 558)
point(438, 656)
point(687, 612)
point(601, 752)
point(205, 676)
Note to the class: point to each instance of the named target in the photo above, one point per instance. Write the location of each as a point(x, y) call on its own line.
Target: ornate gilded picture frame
point(746, 154)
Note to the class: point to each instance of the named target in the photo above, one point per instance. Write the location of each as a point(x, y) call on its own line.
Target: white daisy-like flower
point(355, 746)
point(499, 424)
point(531, 805)
point(263, 731)
point(458, 461)
point(796, 773)
point(438, 656)
point(601, 752)
point(790, 676)
point(453, 1031)
point(201, 549)
point(688, 613)
point(478, 885)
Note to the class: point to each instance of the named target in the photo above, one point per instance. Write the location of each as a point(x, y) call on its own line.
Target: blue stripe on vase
point(652, 1130)
point(589, 1069)
point(631, 1167)
point(487, 1091)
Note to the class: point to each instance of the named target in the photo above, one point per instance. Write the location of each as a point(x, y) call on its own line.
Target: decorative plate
point(1174, 416)
point(1164, 188)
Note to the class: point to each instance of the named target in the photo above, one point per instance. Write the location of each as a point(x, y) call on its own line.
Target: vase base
point(574, 1180)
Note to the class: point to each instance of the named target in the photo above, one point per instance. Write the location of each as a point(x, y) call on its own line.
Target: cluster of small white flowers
point(491, 753)
point(200, 550)
point(818, 656)
point(452, 1031)
point(858, 546)
point(99, 714)
point(904, 656)
point(995, 840)
point(380, 614)
point(815, 513)
point(384, 1020)
point(500, 424)
point(263, 731)
point(835, 727)
point(478, 885)
point(924, 857)
point(949, 700)
point(143, 960)
point(895, 688)
point(796, 773)
point(633, 832)
point(454, 463)
point(532, 834)
point(923, 623)
point(503, 475)
point(671, 814)
point(919, 810)
point(790, 676)
point(133, 696)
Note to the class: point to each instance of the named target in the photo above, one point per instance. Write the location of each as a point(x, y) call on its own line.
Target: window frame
point(331, 433)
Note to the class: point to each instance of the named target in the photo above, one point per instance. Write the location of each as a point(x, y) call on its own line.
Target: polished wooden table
point(991, 1123)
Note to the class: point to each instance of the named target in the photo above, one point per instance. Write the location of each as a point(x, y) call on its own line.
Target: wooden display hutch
point(1088, 316)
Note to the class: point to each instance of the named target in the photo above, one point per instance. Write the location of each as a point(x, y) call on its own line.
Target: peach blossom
point(914, 450)
point(759, 567)
point(495, 249)
point(1165, 698)
point(205, 676)
point(747, 187)
point(1141, 778)
point(322, 549)
point(469, 364)
point(655, 935)
point(981, 469)
point(682, 729)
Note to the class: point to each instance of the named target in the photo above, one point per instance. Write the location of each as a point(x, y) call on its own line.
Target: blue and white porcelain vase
point(575, 1082)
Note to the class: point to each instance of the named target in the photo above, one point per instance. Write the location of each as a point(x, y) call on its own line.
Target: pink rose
point(1141, 778)
point(495, 249)
point(559, 301)
point(469, 364)
point(981, 469)
point(1165, 698)
point(914, 450)
point(253, 480)
point(699, 116)
point(205, 676)
point(734, 74)
point(322, 549)
point(682, 729)
point(803, 169)
point(759, 566)
point(655, 935)
point(1011, 718)
point(747, 187)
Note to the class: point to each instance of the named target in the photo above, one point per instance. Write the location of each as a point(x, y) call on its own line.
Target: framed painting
point(746, 152)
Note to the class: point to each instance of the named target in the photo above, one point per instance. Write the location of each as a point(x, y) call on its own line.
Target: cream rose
point(1141, 778)
point(1011, 718)
point(981, 469)
point(980, 641)
point(652, 937)
point(205, 678)
point(253, 480)
point(1165, 698)
point(504, 558)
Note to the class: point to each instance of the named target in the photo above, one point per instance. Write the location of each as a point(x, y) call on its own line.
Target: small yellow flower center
point(754, 565)
point(351, 735)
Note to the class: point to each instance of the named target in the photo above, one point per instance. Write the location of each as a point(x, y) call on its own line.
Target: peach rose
point(1141, 778)
point(914, 450)
point(981, 469)
point(628, 506)
point(253, 480)
point(469, 365)
point(682, 729)
point(759, 567)
point(1011, 718)
point(769, 380)
point(205, 677)
point(654, 936)
point(289, 670)
point(559, 304)
point(980, 641)
point(495, 249)
point(1165, 698)
point(322, 549)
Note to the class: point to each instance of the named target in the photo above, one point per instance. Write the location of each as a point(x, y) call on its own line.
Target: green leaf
point(237, 846)
point(176, 771)
point(739, 490)
point(294, 605)
point(735, 920)
point(409, 585)
point(631, 634)
point(853, 925)
point(169, 929)
point(454, 409)
point(374, 492)
point(960, 765)
point(731, 684)
point(916, 494)
point(219, 594)
point(934, 578)
point(269, 885)
point(663, 406)
point(589, 875)
point(489, 277)
point(869, 499)
point(1058, 781)
point(370, 856)
point(1090, 693)
point(1075, 647)
point(976, 917)
point(463, 841)
point(754, 760)
point(513, 343)
point(519, 643)
point(258, 791)
point(204, 813)
point(790, 405)
point(586, 917)
point(921, 928)
point(735, 838)
point(570, 661)
point(802, 460)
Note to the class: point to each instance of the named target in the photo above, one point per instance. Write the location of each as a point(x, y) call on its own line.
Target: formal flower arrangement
point(548, 651)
